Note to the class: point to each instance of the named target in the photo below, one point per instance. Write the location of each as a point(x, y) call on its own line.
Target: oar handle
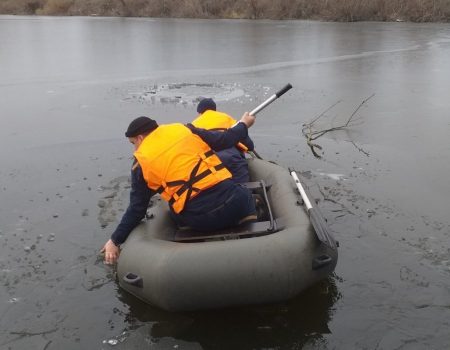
point(271, 99)
point(283, 90)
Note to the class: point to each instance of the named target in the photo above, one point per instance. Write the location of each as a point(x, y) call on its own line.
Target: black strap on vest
point(188, 185)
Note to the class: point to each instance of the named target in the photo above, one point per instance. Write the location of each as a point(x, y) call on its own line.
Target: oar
point(315, 216)
point(271, 99)
point(267, 102)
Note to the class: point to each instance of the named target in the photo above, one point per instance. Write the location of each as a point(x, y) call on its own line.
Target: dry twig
point(311, 134)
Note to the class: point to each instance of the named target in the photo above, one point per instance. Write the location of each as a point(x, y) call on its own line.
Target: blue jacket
point(236, 163)
point(140, 194)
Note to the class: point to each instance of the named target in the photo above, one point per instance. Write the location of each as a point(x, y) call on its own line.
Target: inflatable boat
point(271, 260)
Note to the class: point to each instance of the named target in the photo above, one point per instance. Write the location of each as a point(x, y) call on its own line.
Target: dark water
point(70, 86)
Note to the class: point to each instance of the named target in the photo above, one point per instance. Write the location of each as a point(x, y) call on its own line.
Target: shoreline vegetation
point(327, 10)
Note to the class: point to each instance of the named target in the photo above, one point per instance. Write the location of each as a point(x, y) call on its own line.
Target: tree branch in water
point(311, 134)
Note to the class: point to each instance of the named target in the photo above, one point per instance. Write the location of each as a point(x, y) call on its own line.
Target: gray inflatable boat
point(267, 261)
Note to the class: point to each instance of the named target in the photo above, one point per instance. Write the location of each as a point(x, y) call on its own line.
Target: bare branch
point(357, 109)
point(323, 113)
point(360, 149)
point(310, 134)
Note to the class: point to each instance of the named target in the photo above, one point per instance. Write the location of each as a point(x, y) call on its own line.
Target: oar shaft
point(264, 104)
point(301, 190)
point(271, 99)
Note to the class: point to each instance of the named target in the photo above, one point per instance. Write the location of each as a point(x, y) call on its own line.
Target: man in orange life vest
point(233, 157)
point(179, 163)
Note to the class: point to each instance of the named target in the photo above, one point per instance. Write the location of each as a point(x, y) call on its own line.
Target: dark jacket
point(235, 161)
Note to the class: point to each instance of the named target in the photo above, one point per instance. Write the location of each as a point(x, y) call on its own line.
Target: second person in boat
point(234, 157)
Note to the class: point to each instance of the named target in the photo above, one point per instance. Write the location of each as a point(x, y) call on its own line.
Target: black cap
point(205, 104)
point(141, 125)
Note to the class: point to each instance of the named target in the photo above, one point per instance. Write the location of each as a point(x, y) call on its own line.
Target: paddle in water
point(315, 216)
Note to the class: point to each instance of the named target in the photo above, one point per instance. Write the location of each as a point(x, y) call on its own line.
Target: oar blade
point(321, 227)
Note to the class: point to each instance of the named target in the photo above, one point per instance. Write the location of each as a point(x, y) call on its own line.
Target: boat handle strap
point(133, 279)
point(321, 261)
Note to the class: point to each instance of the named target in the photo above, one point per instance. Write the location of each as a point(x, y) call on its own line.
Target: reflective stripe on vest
point(217, 121)
point(178, 164)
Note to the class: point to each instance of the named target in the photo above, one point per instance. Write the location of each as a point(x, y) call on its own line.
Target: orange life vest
point(178, 164)
point(213, 120)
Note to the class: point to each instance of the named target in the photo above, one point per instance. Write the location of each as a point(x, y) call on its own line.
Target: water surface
point(70, 86)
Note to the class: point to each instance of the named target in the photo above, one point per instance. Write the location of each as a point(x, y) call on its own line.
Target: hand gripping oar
point(315, 216)
point(271, 99)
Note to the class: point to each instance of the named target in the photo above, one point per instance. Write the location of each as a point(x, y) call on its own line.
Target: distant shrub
point(20, 7)
point(331, 10)
point(55, 7)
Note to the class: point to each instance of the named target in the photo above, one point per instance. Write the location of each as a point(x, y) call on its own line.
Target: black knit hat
point(141, 125)
point(205, 104)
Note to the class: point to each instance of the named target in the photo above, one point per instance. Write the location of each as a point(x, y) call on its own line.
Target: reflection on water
point(303, 320)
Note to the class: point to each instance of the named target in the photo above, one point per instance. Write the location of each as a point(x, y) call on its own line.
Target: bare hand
point(248, 119)
point(111, 252)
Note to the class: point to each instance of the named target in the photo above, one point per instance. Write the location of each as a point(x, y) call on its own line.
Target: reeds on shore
point(329, 10)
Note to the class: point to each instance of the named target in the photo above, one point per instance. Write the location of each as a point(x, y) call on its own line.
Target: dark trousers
point(218, 208)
